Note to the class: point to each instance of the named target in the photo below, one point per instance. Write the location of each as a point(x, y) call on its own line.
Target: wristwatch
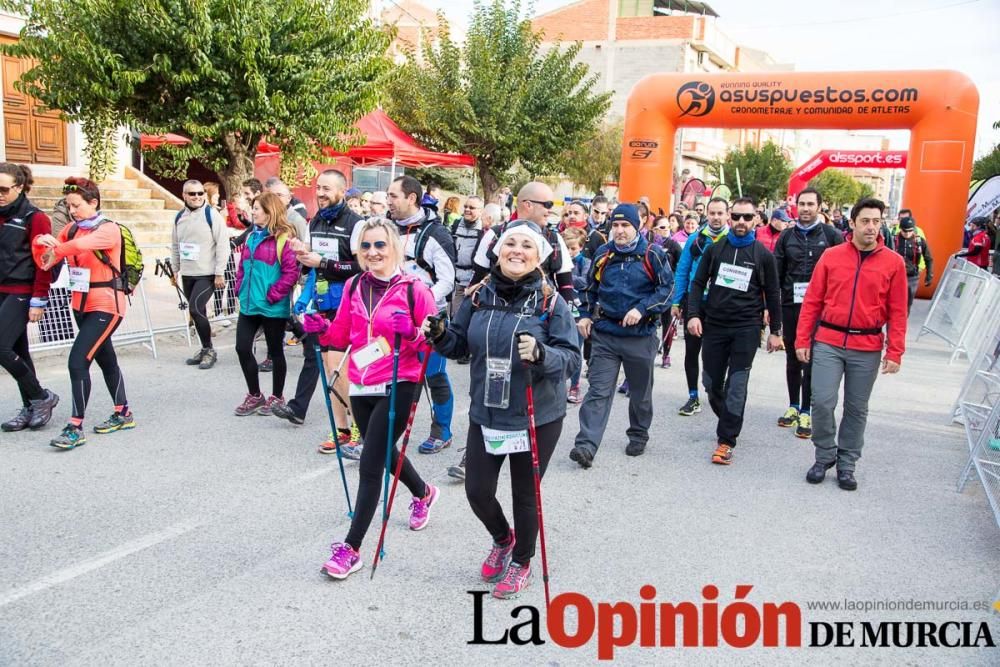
point(322, 265)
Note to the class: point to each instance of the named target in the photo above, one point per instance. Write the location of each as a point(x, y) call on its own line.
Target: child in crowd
point(575, 239)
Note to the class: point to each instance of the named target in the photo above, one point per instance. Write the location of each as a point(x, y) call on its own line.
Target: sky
point(858, 35)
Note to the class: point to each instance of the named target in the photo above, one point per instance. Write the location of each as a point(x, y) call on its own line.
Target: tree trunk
point(489, 181)
point(240, 166)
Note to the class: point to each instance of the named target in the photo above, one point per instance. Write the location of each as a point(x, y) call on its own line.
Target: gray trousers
point(858, 370)
point(607, 354)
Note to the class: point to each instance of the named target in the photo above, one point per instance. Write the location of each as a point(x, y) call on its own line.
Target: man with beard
point(797, 252)
point(429, 254)
point(330, 253)
point(742, 282)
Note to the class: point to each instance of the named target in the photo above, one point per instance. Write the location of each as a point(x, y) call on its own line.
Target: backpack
point(208, 216)
point(604, 259)
point(410, 300)
point(128, 278)
point(439, 233)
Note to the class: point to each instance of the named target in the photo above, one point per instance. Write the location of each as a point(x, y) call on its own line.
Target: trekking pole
point(390, 440)
point(333, 424)
point(163, 268)
point(336, 377)
point(536, 470)
point(402, 455)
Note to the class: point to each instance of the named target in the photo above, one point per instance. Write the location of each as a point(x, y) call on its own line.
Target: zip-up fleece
point(213, 243)
point(851, 292)
point(356, 327)
point(18, 272)
point(797, 253)
point(264, 283)
point(725, 307)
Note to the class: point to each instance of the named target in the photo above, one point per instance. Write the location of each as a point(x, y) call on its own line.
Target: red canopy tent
point(385, 145)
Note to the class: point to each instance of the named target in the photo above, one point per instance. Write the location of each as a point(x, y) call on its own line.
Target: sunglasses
point(742, 216)
point(71, 188)
point(547, 205)
point(379, 245)
point(195, 194)
point(663, 227)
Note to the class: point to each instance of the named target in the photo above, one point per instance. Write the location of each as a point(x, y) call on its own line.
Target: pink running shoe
point(420, 509)
point(496, 562)
point(514, 581)
point(343, 561)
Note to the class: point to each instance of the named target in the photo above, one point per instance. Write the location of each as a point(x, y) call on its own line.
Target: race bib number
point(734, 277)
point(799, 292)
point(79, 279)
point(327, 247)
point(366, 390)
point(505, 442)
point(190, 251)
point(371, 353)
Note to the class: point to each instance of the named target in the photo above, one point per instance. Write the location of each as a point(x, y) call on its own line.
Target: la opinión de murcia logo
point(695, 98)
point(573, 621)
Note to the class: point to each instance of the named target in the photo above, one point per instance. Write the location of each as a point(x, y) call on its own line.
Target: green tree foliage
point(598, 158)
point(988, 165)
point(839, 189)
point(763, 171)
point(498, 96)
point(224, 73)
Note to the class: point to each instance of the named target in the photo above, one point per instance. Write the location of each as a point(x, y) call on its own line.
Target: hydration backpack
point(128, 278)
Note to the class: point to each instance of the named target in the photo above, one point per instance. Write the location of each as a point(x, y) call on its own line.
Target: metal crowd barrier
point(966, 300)
point(58, 329)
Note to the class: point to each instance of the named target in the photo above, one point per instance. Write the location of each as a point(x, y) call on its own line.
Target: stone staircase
point(135, 201)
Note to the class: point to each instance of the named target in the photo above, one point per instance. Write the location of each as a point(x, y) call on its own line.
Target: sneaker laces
point(513, 573)
point(496, 554)
point(342, 554)
point(418, 507)
point(249, 400)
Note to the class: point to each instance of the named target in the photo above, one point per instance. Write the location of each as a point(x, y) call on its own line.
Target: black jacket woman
point(514, 300)
point(24, 290)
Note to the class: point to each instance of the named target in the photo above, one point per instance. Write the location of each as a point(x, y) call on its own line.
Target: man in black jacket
point(797, 251)
point(742, 280)
point(330, 253)
point(916, 256)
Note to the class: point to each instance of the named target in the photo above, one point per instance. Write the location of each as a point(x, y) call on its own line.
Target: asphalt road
point(198, 537)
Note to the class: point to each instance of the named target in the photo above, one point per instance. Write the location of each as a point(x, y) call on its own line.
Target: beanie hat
point(627, 212)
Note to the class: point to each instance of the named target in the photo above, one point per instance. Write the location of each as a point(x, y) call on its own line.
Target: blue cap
point(626, 212)
point(779, 213)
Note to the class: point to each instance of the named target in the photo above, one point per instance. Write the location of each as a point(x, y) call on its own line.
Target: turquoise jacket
point(264, 281)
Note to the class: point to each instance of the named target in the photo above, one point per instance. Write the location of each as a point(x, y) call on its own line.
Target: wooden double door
point(31, 134)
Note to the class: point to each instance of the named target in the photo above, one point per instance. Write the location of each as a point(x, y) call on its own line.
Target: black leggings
point(198, 290)
point(372, 416)
point(14, 355)
point(481, 473)
point(692, 348)
point(798, 375)
point(274, 335)
point(93, 343)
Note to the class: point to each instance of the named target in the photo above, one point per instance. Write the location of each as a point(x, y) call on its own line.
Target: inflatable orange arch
point(938, 107)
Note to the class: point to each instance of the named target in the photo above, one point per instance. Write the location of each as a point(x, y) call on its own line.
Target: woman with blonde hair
point(265, 277)
point(380, 306)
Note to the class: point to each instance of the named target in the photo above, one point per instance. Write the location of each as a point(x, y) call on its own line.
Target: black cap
point(907, 224)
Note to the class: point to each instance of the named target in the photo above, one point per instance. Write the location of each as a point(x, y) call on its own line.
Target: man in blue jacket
point(630, 284)
point(687, 267)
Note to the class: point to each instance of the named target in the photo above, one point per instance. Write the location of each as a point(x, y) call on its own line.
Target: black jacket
point(912, 250)
point(343, 265)
point(17, 266)
point(797, 253)
point(731, 307)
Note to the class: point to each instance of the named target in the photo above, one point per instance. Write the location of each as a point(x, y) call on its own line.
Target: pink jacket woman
point(365, 315)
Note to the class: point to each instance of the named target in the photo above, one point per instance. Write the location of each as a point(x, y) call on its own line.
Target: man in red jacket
point(978, 251)
point(857, 288)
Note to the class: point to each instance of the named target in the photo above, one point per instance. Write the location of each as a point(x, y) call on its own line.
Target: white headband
point(541, 243)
